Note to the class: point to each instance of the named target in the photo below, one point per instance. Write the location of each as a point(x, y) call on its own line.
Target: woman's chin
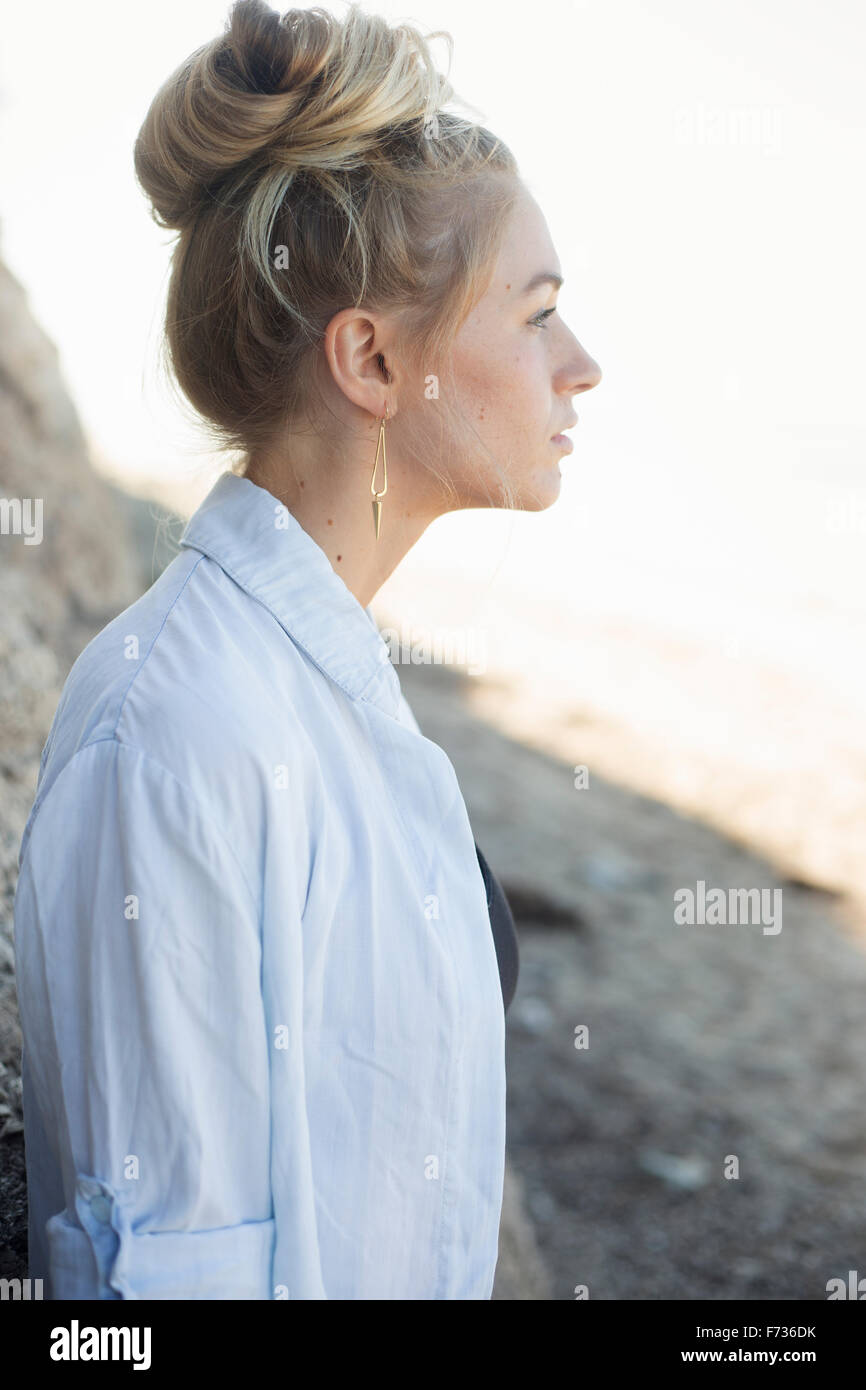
point(531, 493)
point(541, 492)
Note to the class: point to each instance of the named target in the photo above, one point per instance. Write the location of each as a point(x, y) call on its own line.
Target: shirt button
point(87, 1188)
point(101, 1208)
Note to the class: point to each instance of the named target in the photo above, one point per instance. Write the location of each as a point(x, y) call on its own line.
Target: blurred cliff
point(54, 596)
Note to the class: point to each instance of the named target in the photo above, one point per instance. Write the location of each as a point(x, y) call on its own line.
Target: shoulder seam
point(41, 792)
point(148, 759)
point(141, 665)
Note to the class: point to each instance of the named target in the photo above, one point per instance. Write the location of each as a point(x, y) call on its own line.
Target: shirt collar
point(264, 549)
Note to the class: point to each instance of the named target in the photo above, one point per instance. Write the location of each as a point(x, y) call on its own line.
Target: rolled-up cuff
point(99, 1256)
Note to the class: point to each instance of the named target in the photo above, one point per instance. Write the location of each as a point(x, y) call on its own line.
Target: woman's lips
point(562, 441)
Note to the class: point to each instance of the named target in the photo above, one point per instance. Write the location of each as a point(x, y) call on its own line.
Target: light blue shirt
point(262, 1019)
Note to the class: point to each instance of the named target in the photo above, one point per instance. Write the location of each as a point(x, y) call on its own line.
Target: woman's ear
point(355, 358)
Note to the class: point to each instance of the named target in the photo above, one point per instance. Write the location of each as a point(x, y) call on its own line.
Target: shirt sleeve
point(138, 958)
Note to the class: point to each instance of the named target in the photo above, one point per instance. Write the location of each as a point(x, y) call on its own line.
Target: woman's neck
point(334, 505)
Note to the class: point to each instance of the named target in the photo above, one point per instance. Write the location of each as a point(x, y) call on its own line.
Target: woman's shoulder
point(198, 678)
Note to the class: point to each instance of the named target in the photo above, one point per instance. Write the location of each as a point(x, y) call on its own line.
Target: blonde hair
point(308, 165)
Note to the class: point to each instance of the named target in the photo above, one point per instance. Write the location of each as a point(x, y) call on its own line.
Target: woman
point(263, 1021)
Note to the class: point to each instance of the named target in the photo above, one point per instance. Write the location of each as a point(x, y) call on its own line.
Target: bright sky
point(701, 169)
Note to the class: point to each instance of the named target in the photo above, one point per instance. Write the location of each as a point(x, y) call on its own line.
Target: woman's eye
point(538, 319)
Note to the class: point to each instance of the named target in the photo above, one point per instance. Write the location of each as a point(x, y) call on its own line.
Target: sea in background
point(694, 628)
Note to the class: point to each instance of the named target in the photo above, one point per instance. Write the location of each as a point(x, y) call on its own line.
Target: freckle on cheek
point(330, 522)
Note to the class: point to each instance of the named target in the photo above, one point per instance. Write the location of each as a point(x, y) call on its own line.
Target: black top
point(504, 935)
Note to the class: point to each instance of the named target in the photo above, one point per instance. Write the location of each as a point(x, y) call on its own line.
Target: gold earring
point(377, 496)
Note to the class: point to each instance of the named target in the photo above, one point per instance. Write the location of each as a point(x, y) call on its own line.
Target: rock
point(686, 1173)
point(520, 1272)
point(54, 596)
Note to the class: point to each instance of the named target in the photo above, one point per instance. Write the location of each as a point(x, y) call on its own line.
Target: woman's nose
point(591, 372)
point(581, 373)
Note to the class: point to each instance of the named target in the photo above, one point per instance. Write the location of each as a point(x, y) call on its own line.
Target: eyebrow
point(544, 277)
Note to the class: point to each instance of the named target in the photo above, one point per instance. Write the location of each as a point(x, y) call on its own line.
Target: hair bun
point(304, 90)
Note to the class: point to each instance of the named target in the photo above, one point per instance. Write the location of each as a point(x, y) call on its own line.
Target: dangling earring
point(377, 496)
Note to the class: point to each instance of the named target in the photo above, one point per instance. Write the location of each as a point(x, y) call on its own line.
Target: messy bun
point(308, 165)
